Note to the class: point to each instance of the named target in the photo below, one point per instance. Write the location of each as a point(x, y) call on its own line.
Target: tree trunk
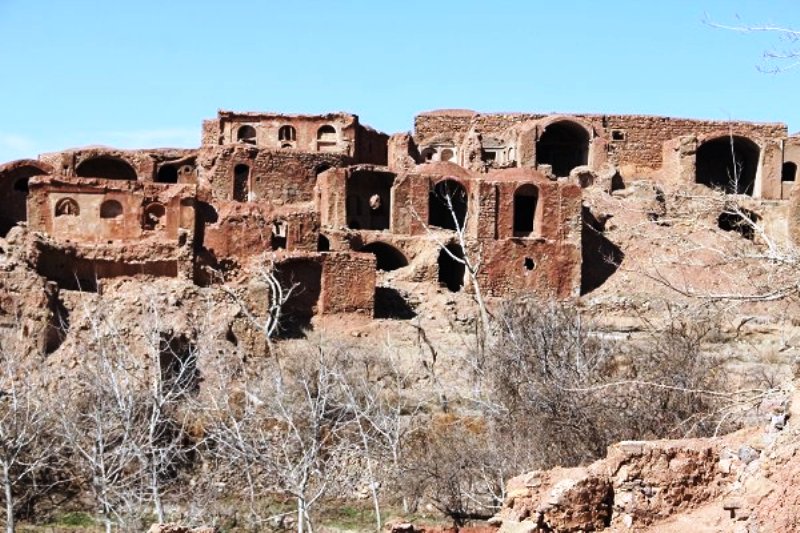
point(9, 499)
point(301, 512)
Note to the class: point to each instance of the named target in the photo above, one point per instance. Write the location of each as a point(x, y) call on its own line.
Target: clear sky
point(145, 73)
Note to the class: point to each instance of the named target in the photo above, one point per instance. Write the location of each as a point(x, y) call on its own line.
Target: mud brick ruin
point(334, 201)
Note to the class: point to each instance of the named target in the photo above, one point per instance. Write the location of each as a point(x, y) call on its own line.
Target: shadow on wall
point(600, 258)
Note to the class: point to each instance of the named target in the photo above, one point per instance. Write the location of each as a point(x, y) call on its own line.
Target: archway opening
point(67, 207)
point(387, 257)
point(323, 243)
point(14, 189)
point(154, 215)
point(110, 209)
point(167, 174)
point(241, 183)
point(369, 200)
point(728, 163)
point(563, 145)
point(246, 134)
point(326, 133)
point(451, 270)
point(287, 133)
point(789, 171)
point(280, 232)
point(110, 168)
point(447, 205)
point(526, 199)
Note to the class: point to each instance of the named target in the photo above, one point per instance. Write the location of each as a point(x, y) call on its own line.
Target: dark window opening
point(241, 183)
point(617, 135)
point(387, 257)
point(451, 271)
point(279, 235)
point(742, 221)
point(323, 244)
point(321, 168)
point(529, 263)
point(729, 164)
point(563, 145)
point(110, 209)
point(167, 174)
point(427, 154)
point(246, 134)
point(789, 171)
point(106, 167)
point(489, 156)
point(369, 198)
point(287, 133)
point(447, 205)
point(525, 201)
point(286, 146)
point(154, 217)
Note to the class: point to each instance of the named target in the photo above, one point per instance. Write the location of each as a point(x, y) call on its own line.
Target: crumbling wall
point(348, 283)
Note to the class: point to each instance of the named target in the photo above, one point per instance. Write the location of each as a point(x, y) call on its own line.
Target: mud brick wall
point(276, 177)
point(546, 269)
point(644, 136)
point(348, 283)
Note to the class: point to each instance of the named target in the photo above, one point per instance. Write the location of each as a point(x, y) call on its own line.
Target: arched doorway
point(241, 183)
point(388, 257)
point(447, 205)
point(728, 163)
point(563, 145)
point(110, 168)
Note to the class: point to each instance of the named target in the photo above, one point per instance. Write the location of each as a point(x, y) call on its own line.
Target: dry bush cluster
point(184, 432)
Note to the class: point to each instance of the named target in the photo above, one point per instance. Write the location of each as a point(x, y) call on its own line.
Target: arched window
point(67, 207)
point(110, 209)
point(526, 198)
point(789, 171)
point(280, 231)
point(387, 257)
point(246, 134)
point(241, 183)
point(326, 133)
point(167, 174)
point(563, 145)
point(106, 167)
point(447, 205)
point(287, 133)
point(728, 163)
point(153, 217)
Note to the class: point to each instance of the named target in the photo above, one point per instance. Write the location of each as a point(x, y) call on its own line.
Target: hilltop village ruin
point(334, 200)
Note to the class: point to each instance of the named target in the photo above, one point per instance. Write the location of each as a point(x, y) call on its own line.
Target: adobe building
point(333, 200)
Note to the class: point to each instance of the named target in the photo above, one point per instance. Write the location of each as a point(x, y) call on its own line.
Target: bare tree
point(270, 319)
point(26, 446)
point(102, 427)
point(785, 56)
point(286, 430)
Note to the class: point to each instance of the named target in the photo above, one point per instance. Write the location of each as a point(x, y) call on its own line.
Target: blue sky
point(145, 73)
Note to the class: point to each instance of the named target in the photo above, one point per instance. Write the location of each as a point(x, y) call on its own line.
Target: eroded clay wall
point(348, 283)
